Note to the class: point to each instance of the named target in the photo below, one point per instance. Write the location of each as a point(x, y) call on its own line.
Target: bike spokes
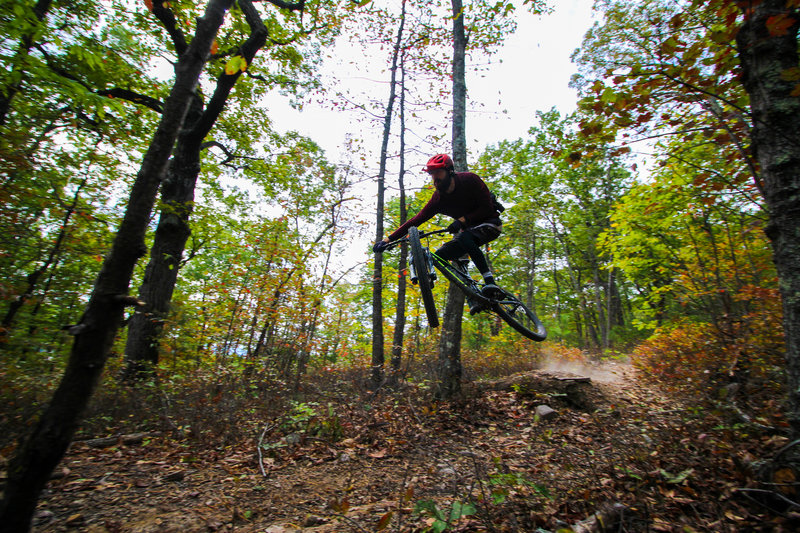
point(519, 316)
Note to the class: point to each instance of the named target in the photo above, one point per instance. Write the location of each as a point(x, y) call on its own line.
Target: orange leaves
point(778, 25)
point(385, 520)
point(149, 5)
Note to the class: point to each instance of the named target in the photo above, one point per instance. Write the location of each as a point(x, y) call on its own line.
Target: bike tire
point(517, 315)
point(418, 256)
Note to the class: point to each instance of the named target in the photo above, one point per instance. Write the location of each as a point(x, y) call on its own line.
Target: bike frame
point(456, 275)
point(424, 264)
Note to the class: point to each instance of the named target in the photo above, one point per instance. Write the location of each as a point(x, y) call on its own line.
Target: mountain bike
point(423, 265)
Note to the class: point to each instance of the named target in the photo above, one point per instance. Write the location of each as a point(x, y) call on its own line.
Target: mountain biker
point(466, 198)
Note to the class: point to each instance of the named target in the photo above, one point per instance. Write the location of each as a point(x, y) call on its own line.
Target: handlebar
point(401, 240)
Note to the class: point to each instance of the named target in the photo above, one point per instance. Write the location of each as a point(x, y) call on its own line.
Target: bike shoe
point(491, 291)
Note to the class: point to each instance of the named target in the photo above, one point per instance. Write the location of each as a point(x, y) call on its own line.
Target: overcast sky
point(531, 72)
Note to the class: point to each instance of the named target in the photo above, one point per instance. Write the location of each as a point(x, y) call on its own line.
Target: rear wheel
point(419, 258)
point(518, 316)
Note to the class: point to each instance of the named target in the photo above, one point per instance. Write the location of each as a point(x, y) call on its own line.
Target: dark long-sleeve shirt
point(470, 199)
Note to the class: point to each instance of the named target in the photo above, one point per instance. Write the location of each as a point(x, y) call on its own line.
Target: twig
point(479, 477)
point(771, 493)
point(787, 448)
point(402, 499)
point(413, 411)
point(133, 438)
point(333, 513)
point(258, 448)
point(748, 420)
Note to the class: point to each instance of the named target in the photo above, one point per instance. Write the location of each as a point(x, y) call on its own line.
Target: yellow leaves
point(235, 64)
point(785, 479)
point(792, 74)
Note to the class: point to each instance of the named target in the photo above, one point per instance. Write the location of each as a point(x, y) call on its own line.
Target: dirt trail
point(488, 462)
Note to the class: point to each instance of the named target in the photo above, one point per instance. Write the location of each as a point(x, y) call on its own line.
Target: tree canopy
point(152, 212)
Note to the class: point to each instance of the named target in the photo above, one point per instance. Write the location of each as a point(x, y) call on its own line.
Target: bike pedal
point(476, 308)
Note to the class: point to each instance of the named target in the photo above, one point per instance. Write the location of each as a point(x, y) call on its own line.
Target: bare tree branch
point(134, 97)
point(167, 19)
point(298, 6)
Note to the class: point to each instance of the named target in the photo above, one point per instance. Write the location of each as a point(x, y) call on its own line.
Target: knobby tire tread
point(423, 279)
point(539, 335)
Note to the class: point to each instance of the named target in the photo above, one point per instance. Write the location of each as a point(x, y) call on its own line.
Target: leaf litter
point(401, 461)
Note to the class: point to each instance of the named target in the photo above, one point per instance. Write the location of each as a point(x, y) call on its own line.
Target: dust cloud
point(603, 371)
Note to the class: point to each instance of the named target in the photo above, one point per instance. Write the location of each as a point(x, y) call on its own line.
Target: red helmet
point(439, 161)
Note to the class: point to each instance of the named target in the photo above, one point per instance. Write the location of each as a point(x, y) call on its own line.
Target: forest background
point(635, 223)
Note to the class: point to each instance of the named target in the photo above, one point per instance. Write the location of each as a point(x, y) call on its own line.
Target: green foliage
point(305, 418)
point(689, 239)
point(663, 68)
point(442, 519)
point(688, 249)
point(604, 260)
point(558, 207)
point(503, 483)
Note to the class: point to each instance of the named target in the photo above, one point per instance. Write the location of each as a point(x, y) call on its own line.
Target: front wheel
point(419, 259)
point(518, 316)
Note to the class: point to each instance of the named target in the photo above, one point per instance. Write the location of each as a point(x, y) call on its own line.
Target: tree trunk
point(599, 299)
point(459, 88)
point(31, 466)
point(161, 274)
point(400, 310)
point(766, 55)
point(377, 276)
point(177, 193)
point(450, 341)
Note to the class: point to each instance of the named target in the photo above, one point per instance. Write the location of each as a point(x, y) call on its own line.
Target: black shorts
point(486, 231)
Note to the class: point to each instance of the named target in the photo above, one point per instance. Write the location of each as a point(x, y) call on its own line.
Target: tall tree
point(33, 462)
point(378, 357)
point(65, 120)
point(725, 72)
point(450, 342)
point(28, 29)
point(488, 25)
point(177, 193)
point(400, 311)
point(767, 44)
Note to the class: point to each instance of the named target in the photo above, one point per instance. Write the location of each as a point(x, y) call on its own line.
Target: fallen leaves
point(487, 460)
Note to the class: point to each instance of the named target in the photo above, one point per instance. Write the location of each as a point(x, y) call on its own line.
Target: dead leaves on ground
point(405, 463)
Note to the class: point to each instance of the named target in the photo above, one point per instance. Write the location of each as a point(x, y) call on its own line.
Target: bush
point(708, 358)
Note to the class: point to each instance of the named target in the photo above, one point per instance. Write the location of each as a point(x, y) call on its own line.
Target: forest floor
point(400, 462)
